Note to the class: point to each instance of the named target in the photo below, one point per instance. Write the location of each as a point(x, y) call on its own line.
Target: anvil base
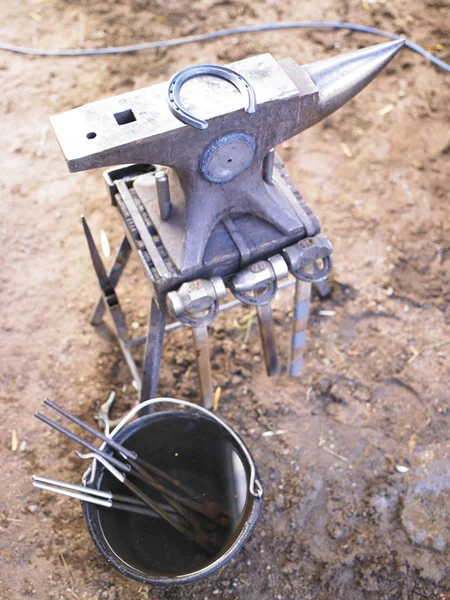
point(236, 242)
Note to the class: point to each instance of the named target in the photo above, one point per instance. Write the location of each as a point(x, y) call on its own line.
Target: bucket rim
point(255, 486)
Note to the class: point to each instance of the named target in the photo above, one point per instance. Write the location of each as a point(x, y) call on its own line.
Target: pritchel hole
point(91, 135)
point(229, 160)
point(124, 117)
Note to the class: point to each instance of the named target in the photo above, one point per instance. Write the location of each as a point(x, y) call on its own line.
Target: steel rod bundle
point(182, 507)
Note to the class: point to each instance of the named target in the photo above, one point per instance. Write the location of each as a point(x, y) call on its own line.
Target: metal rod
point(199, 536)
point(208, 509)
point(127, 499)
point(103, 279)
point(120, 326)
point(201, 541)
point(174, 500)
point(141, 227)
point(172, 480)
point(73, 494)
point(111, 304)
point(101, 436)
point(211, 510)
point(71, 486)
point(299, 324)
point(265, 320)
point(115, 273)
point(153, 352)
point(324, 288)
point(201, 343)
point(132, 456)
point(114, 461)
point(163, 192)
point(94, 496)
point(134, 508)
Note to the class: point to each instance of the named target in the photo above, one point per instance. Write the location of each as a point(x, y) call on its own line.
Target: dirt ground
point(341, 519)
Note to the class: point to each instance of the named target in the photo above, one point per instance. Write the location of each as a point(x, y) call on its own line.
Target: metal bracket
point(260, 278)
point(301, 258)
point(196, 303)
point(180, 78)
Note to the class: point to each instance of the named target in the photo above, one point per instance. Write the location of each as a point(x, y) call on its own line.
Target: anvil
point(217, 171)
point(219, 210)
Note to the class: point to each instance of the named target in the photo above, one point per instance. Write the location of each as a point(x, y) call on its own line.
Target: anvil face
point(215, 172)
point(91, 136)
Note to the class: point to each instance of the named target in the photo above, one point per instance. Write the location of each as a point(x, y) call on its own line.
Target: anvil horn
point(340, 78)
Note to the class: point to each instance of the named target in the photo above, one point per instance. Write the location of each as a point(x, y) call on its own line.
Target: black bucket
point(200, 450)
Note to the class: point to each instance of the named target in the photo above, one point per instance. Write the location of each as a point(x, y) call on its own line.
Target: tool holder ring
point(261, 300)
point(317, 274)
point(191, 320)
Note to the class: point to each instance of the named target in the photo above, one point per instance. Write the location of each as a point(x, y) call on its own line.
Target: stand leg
point(265, 320)
point(122, 334)
point(200, 336)
point(300, 319)
point(111, 304)
point(324, 288)
point(117, 269)
point(153, 352)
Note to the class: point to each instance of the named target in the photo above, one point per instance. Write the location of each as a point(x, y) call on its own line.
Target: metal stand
point(195, 303)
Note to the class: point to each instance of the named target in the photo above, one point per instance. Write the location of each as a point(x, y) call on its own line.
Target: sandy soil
point(340, 520)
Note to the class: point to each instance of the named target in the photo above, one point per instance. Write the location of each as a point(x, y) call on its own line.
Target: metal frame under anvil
point(220, 211)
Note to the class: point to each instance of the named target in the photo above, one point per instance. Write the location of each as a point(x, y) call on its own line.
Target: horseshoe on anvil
point(180, 78)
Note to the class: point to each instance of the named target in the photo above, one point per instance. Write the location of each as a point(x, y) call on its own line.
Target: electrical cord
point(205, 37)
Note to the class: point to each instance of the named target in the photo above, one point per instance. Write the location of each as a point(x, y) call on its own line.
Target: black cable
point(204, 37)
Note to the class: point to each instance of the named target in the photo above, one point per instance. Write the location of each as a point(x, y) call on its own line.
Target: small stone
point(425, 515)
point(33, 508)
point(402, 468)
point(135, 325)
point(23, 446)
